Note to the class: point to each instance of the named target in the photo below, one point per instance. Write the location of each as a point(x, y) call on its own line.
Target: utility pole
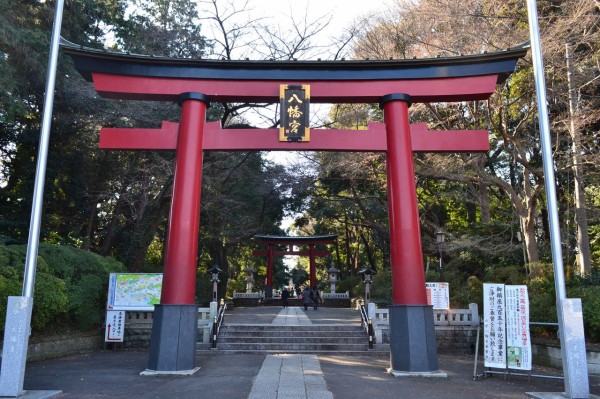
point(583, 239)
point(570, 310)
point(19, 308)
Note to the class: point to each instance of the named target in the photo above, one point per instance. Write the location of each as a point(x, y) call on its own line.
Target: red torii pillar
point(269, 281)
point(177, 302)
point(312, 269)
point(411, 319)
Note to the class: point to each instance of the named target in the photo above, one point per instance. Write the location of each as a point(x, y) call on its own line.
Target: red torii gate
point(311, 241)
point(392, 83)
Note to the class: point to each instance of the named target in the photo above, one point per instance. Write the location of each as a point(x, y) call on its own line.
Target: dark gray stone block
point(173, 339)
point(412, 339)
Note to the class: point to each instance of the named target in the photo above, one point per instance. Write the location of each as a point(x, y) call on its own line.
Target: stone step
point(289, 347)
point(284, 334)
point(315, 338)
point(293, 340)
point(291, 328)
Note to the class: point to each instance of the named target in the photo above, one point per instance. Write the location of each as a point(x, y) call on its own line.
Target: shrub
point(70, 286)
point(351, 284)
point(381, 288)
point(590, 302)
point(472, 292)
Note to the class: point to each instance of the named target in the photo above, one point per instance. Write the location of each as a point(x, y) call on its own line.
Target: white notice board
point(518, 342)
point(438, 295)
point(494, 330)
point(115, 326)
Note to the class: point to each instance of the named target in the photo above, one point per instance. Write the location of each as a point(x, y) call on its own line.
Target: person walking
point(315, 297)
point(306, 298)
point(285, 294)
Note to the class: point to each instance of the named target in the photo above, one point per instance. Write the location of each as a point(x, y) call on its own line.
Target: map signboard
point(134, 291)
point(438, 295)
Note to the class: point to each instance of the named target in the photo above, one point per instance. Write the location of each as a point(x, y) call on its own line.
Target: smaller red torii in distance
point(290, 241)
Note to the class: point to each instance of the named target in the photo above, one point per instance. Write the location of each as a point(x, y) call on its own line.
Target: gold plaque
point(295, 113)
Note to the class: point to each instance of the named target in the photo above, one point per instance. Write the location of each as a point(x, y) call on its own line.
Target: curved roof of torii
point(88, 60)
point(458, 78)
point(321, 239)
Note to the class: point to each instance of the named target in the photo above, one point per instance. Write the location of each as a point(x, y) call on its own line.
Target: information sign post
point(115, 326)
point(507, 342)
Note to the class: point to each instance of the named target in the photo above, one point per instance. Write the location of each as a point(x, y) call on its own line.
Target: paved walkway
point(110, 375)
point(292, 316)
point(290, 377)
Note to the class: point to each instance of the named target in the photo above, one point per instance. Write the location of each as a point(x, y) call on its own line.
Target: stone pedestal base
point(575, 367)
point(412, 340)
point(268, 291)
point(173, 339)
point(16, 339)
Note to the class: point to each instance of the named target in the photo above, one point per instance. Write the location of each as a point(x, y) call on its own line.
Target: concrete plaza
point(116, 374)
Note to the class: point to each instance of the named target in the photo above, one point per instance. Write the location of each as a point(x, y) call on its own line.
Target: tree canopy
point(116, 203)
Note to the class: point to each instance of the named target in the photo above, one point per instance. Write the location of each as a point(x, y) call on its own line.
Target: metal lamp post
point(440, 238)
point(367, 275)
point(214, 277)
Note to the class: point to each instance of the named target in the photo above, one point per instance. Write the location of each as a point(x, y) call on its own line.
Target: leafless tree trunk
point(583, 239)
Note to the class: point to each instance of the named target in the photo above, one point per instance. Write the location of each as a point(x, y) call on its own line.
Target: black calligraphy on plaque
point(294, 103)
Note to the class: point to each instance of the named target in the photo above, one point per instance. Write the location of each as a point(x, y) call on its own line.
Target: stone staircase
point(316, 338)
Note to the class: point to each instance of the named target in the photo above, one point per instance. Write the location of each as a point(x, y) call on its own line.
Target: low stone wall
point(138, 329)
point(549, 355)
point(337, 303)
point(247, 299)
point(449, 339)
point(246, 302)
point(56, 346)
point(455, 329)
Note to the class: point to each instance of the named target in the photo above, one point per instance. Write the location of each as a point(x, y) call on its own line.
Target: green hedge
point(70, 286)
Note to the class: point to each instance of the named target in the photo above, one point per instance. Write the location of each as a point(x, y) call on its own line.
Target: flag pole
point(570, 315)
point(18, 310)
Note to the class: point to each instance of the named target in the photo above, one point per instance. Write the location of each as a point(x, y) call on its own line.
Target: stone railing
point(441, 317)
point(248, 298)
point(457, 317)
point(247, 295)
point(335, 295)
point(138, 327)
point(456, 329)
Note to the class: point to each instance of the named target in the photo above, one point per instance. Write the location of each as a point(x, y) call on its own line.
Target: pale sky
point(279, 12)
point(343, 11)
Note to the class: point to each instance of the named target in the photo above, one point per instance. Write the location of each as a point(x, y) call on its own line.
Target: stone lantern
point(333, 277)
point(249, 278)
